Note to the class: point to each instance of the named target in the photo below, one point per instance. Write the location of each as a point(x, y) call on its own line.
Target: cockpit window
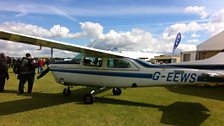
point(118, 63)
point(92, 61)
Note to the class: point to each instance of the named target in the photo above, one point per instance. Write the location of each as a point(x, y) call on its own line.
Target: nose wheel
point(67, 92)
point(88, 99)
point(116, 91)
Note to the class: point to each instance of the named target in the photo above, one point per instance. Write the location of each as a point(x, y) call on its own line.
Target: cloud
point(195, 35)
point(193, 41)
point(18, 49)
point(216, 24)
point(22, 11)
point(91, 30)
point(57, 31)
point(212, 26)
point(184, 27)
point(133, 40)
point(196, 10)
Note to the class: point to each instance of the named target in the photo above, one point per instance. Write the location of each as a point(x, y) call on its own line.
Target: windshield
point(77, 58)
point(145, 64)
point(141, 61)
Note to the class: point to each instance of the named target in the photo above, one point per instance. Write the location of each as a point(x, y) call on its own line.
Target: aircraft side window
point(118, 63)
point(92, 61)
point(99, 63)
point(87, 62)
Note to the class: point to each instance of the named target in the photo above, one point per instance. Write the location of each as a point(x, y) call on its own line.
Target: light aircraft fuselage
point(124, 73)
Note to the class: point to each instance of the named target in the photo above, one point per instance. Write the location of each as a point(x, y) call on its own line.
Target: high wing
point(26, 39)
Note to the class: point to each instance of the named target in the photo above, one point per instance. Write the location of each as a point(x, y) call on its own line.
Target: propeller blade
point(43, 73)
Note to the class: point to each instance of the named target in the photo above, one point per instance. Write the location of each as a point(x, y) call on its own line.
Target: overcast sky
point(128, 25)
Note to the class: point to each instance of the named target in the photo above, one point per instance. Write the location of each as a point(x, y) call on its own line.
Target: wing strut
point(52, 52)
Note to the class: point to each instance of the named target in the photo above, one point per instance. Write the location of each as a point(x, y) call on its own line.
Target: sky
point(127, 25)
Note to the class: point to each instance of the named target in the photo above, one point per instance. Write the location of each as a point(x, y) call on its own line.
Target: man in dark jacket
point(27, 73)
point(3, 71)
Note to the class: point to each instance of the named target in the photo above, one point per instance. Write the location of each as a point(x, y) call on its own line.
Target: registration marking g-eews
point(176, 77)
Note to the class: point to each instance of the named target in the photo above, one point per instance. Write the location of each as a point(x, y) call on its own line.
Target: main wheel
point(66, 92)
point(88, 99)
point(116, 91)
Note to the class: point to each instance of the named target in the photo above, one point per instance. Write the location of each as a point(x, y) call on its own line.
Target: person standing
point(47, 62)
point(3, 71)
point(27, 73)
point(40, 65)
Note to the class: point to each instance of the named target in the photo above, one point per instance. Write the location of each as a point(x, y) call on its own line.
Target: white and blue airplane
point(106, 69)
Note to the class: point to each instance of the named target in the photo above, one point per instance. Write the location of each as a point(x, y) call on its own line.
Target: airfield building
point(206, 49)
point(165, 59)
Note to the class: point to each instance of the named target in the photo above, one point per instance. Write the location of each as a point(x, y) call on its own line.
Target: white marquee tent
point(214, 43)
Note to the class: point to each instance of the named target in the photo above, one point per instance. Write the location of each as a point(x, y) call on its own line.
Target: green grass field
point(152, 106)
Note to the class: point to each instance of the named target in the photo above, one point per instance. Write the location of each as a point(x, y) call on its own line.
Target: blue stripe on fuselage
point(115, 74)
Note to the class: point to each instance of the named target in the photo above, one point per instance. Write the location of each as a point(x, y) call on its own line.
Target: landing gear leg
point(89, 98)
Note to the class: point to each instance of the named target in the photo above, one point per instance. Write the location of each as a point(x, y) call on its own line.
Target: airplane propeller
point(43, 73)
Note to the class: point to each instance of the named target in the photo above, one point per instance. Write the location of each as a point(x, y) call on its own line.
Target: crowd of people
point(25, 68)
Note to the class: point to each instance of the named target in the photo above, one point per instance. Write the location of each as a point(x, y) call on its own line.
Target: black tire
point(88, 99)
point(116, 91)
point(66, 92)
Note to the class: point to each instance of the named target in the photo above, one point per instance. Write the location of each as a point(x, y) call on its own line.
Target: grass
point(190, 106)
